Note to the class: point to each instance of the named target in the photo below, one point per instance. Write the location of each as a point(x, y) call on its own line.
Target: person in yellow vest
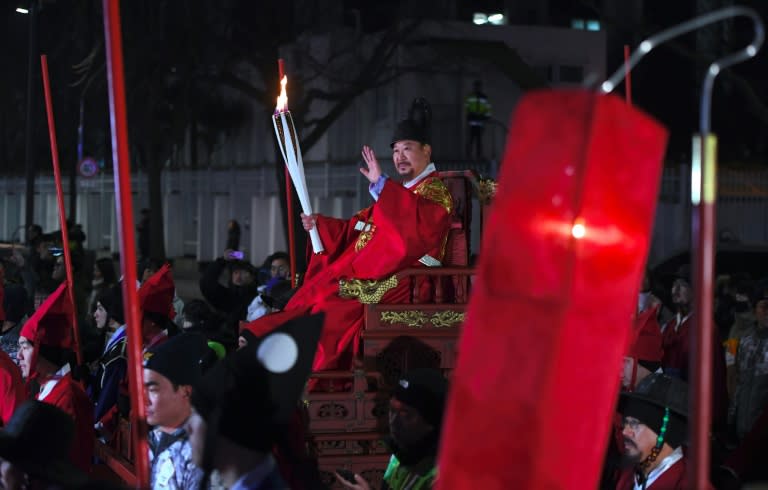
point(415, 419)
point(478, 110)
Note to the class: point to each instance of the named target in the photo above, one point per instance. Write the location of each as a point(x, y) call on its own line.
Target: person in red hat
point(45, 350)
point(407, 226)
point(11, 387)
point(156, 303)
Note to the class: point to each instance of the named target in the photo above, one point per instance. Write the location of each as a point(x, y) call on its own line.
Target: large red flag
point(560, 267)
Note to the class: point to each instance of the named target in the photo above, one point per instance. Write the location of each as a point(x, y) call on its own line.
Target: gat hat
point(51, 324)
point(156, 293)
point(652, 396)
point(684, 272)
point(38, 439)
point(250, 396)
point(112, 301)
point(417, 126)
point(178, 358)
point(426, 391)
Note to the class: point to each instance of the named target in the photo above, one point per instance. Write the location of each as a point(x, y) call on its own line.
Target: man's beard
point(628, 460)
point(415, 452)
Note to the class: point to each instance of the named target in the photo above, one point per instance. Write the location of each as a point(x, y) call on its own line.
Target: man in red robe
point(45, 348)
point(654, 426)
point(11, 388)
point(407, 226)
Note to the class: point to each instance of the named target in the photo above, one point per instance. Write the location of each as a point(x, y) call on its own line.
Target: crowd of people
point(223, 376)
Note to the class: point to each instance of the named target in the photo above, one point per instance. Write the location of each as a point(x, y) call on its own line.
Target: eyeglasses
point(632, 423)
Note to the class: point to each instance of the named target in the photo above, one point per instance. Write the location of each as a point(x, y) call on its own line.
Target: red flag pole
point(60, 199)
point(121, 164)
point(628, 76)
point(289, 202)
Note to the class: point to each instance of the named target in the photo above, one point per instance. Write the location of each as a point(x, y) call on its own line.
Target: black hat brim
point(624, 397)
point(57, 471)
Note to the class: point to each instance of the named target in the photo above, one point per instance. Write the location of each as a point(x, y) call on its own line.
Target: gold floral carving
point(447, 318)
point(487, 190)
point(366, 291)
point(414, 319)
point(435, 190)
point(417, 319)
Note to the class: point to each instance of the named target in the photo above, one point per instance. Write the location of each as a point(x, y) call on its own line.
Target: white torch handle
point(295, 169)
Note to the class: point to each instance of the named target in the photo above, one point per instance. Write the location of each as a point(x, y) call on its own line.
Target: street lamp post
point(30, 148)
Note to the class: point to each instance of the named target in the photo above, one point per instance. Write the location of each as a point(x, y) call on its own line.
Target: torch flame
point(282, 99)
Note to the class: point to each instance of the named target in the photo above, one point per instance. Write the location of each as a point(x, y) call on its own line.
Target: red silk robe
point(12, 392)
point(674, 478)
point(405, 224)
point(70, 397)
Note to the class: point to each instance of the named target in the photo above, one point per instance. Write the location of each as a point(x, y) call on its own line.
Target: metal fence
point(198, 204)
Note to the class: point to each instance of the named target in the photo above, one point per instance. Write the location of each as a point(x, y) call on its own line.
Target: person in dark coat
point(244, 405)
point(34, 447)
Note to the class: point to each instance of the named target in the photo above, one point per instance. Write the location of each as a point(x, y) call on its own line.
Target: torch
point(288, 141)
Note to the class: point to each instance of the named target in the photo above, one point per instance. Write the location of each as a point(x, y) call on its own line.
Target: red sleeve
point(12, 392)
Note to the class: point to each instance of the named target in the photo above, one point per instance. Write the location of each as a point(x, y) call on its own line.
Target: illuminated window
point(480, 18)
point(593, 25)
point(577, 24)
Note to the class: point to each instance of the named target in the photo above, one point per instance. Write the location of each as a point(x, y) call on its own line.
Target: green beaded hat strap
point(656, 449)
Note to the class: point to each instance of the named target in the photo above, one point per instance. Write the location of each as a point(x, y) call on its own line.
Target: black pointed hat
point(417, 126)
point(250, 396)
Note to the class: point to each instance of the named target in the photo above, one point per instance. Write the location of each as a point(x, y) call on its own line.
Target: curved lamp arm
point(714, 69)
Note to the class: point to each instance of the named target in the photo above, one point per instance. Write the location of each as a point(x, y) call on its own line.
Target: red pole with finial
point(60, 199)
point(628, 77)
point(289, 201)
point(121, 162)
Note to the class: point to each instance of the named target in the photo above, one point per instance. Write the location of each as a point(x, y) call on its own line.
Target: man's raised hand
point(373, 172)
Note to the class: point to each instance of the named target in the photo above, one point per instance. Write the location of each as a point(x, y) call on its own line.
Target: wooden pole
point(62, 209)
point(126, 229)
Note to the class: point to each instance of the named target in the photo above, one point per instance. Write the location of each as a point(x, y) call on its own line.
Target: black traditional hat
point(425, 390)
point(250, 396)
point(112, 301)
point(37, 440)
point(417, 126)
point(178, 358)
point(653, 396)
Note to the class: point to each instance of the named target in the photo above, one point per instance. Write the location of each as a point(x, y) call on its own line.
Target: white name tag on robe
point(430, 261)
point(362, 226)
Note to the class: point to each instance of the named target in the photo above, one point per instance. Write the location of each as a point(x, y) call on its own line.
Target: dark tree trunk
point(156, 227)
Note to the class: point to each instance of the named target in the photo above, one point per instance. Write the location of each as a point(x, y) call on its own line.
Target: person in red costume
point(645, 353)
point(156, 303)
point(11, 388)
point(654, 428)
point(406, 226)
point(45, 347)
